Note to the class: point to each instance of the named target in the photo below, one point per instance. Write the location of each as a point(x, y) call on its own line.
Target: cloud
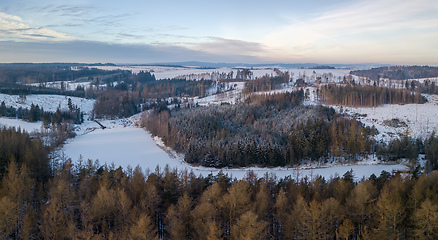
point(224, 46)
point(10, 17)
point(87, 51)
point(13, 27)
point(360, 29)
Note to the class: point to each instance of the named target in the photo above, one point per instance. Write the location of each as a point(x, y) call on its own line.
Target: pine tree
point(179, 219)
point(9, 219)
point(248, 227)
point(30, 225)
point(57, 214)
point(144, 228)
point(359, 203)
point(300, 220)
point(426, 220)
point(17, 186)
point(282, 214)
point(330, 215)
point(345, 229)
point(262, 203)
point(235, 202)
point(391, 209)
point(214, 232)
point(103, 210)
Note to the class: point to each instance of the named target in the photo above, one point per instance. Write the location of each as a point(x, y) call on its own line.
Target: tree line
point(398, 72)
point(42, 73)
point(90, 201)
point(338, 137)
point(267, 83)
point(411, 148)
point(130, 97)
point(174, 88)
point(366, 96)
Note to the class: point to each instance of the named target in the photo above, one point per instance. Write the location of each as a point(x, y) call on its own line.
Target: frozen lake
point(130, 146)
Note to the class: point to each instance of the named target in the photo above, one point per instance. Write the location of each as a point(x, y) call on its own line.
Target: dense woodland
point(18, 147)
point(89, 201)
point(267, 83)
point(173, 88)
point(43, 73)
point(398, 72)
point(366, 96)
point(130, 97)
point(268, 130)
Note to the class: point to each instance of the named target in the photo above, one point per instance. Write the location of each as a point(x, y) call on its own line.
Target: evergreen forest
point(367, 96)
point(398, 72)
point(265, 130)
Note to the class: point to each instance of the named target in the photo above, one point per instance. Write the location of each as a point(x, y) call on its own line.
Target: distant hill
point(202, 65)
point(282, 65)
point(56, 64)
point(398, 72)
point(322, 67)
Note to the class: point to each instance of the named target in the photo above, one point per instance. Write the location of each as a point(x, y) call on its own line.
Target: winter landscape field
point(124, 144)
point(219, 120)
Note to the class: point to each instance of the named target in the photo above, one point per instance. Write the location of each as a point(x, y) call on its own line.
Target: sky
point(402, 32)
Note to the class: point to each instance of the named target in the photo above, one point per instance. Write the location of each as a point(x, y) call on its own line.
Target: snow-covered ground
point(162, 72)
point(23, 125)
point(420, 119)
point(225, 97)
point(68, 85)
point(48, 102)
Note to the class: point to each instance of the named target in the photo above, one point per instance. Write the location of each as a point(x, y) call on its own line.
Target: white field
point(421, 119)
point(48, 102)
point(69, 85)
point(23, 125)
point(161, 72)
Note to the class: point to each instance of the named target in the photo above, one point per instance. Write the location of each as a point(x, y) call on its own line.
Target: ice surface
point(131, 146)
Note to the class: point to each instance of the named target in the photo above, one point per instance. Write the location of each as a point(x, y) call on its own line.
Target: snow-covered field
point(68, 85)
point(48, 102)
point(23, 125)
point(228, 97)
point(161, 72)
point(420, 119)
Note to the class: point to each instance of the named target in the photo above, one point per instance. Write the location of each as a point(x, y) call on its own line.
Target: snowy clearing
point(420, 119)
point(18, 123)
point(48, 102)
